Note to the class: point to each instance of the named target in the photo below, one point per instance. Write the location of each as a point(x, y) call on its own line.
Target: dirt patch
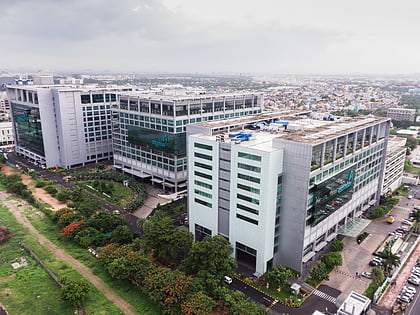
point(38, 193)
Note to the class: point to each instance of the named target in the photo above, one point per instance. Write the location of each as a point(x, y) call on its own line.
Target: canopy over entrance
point(353, 227)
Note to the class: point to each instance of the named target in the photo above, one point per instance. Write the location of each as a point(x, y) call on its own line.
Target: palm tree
point(390, 260)
point(415, 214)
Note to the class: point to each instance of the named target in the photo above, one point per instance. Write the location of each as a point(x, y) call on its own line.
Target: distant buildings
point(6, 136)
point(401, 114)
point(394, 167)
point(280, 186)
point(149, 139)
point(62, 125)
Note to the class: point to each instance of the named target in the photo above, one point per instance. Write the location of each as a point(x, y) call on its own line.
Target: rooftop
point(301, 126)
point(189, 96)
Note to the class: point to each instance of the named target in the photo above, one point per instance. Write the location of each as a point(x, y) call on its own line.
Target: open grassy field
point(29, 289)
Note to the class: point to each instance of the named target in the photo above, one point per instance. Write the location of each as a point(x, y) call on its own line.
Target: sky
point(212, 36)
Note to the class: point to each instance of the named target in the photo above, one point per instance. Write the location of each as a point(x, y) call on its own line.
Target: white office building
point(6, 136)
point(394, 165)
point(280, 186)
point(62, 125)
point(149, 129)
point(401, 113)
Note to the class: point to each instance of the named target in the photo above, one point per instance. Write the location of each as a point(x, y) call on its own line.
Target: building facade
point(62, 125)
point(6, 136)
point(394, 165)
point(401, 114)
point(149, 130)
point(280, 186)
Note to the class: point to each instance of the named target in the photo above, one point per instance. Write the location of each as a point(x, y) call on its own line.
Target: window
point(202, 175)
point(198, 183)
point(247, 188)
point(249, 199)
point(249, 178)
point(203, 146)
point(248, 209)
point(202, 193)
point(205, 166)
point(203, 156)
point(242, 217)
point(202, 202)
point(249, 167)
point(249, 156)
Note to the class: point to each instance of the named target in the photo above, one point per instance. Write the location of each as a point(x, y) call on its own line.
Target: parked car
point(405, 222)
point(374, 263)
point(367, 275)
point(228, 280)
point(403, 298)
point(407, 288)
point(404, 228)
point(410, 196)
point(413, 280)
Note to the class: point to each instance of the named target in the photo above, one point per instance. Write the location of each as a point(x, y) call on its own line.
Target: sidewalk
point(390, 295)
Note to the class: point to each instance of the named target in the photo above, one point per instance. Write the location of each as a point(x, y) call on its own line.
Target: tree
point(319, 272)
point(390, 260)
point(332, 259)
point(278, 276)
point(87, 207)
point(168, 288)
point(72, 229)
point(122, 235)
point(168, 242)
point(197, 304)
point(89, 236)
point(64, 195)
point(66, 216)
point(74, 292)
point(238, 304)
point(210, 259)
point(377, 275)
point(415, 214)
point(105, 221)
point(336, 246)
point(135, 265)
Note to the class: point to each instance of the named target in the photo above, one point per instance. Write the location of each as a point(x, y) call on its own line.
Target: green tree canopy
point(122, 235)
point(168, 242)
point(105, 222)
point(377, 275)
point(74, 292)
point(336, 246)
point(332, 259)
point(89, 236)
point(210, 260)
point(278, 276)
point(319, 272)
point(390, 260)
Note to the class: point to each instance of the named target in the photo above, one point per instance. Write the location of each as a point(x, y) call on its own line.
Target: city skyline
point(302, 37)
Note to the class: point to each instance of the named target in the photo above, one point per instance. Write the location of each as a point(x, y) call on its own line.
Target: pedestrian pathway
point(325, 296)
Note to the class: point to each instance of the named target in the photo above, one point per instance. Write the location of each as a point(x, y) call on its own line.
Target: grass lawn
point(29, 289)
point(120, 196)
point(123, 288)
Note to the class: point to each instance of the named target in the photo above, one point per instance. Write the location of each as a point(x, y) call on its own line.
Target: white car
point(414, 280)
point(410, 196)
point(409, 289)
point(228, 280)
point(367, 275)
point(405, 222)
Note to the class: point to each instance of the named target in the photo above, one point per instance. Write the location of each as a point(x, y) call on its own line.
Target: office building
point(62, 125)
point(149, 130)
point(401, 114)
point(280, 186)
point(394, 164)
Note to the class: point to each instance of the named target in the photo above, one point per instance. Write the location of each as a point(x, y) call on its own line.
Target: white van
point(228, 280)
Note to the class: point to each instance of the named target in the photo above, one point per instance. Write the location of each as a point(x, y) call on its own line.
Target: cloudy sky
point(223, 36)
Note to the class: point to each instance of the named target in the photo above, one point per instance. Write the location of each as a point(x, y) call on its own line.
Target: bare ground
point(39, 194)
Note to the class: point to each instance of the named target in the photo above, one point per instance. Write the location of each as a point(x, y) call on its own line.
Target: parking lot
point(356, 258)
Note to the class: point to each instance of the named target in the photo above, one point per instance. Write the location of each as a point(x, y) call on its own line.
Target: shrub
point(332, 259)
point(51, 190)
point(361, 237)
point(336, 246)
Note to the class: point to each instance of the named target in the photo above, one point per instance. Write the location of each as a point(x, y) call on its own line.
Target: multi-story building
point(149, 137)
point(280, 186)
point(6, 136)
point(401, 114)
point(4, 103)
point(63, 125)
point(394, 165)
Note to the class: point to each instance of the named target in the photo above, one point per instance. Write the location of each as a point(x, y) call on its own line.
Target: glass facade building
point(149, 131)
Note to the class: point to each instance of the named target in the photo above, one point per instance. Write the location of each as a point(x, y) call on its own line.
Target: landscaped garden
point(112, 192)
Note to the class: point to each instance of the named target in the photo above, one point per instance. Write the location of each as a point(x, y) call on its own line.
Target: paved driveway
point(356, 257)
